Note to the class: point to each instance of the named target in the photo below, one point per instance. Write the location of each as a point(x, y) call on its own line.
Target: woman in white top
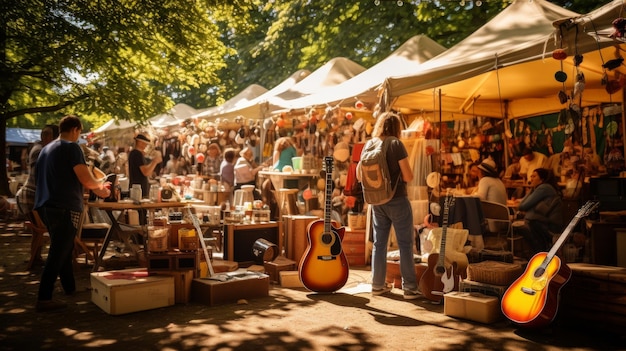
point(490, 187)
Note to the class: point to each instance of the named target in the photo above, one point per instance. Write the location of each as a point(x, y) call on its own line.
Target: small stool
point(288, 203)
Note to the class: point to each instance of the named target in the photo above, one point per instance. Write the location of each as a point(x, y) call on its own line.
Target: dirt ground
point(289, 319)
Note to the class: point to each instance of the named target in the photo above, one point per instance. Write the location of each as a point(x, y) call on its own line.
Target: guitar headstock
point(328, 164)
point(587, 208)
point(449, 200)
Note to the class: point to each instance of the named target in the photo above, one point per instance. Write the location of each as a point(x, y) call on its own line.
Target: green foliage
point(121, 59)
point(282, 36)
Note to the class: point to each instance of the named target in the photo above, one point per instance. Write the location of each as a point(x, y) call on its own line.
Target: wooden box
point(279, 264)
point(393, 273)
point(290, 279)
point(182, 284)
point(353, 245)
point(239, 240)
point(240, 285)
point(296, 240)
point(473, 306)
point(131, 290)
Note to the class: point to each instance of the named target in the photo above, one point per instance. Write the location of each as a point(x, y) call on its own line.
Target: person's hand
point(104, 191)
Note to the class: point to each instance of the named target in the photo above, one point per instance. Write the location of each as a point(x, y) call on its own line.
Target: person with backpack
point(384, 172)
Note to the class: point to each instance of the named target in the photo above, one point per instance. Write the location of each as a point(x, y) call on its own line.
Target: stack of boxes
point(479, 295)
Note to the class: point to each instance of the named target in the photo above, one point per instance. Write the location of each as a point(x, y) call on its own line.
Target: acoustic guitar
point(324, 266)
point(437, 279)
point(532, 300)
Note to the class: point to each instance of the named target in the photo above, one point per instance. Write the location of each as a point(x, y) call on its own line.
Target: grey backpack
point(374, 172)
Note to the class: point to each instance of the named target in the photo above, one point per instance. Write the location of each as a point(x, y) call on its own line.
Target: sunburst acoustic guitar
point(532, 300)
point(324, 267)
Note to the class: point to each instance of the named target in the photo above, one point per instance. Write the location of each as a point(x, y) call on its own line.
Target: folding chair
point(499, 220)
point(39, 233)
point(92, 234)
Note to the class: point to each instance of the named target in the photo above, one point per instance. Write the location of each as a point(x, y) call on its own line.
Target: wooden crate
point(595, 295)
point(353, 245)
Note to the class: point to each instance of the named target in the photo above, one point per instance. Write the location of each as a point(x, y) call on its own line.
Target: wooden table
point(116, 229)
point(278, 179)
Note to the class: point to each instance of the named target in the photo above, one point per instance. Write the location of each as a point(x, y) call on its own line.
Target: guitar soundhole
point(327, 238)
point(539, 272)
point(440, 270)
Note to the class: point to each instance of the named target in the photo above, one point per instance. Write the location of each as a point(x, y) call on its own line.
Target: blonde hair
point(282, 143)
point(387, 124)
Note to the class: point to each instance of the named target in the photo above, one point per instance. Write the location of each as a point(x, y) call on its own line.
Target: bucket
point(187, 240)
point(157, 239)
point(297, 163)
point(264, 250)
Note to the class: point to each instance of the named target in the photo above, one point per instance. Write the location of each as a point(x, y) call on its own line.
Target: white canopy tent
point(113, 124)
point(239, 102)
point(331, 74)
point(174, 116)
point(404, 60)
point(510, 59)
point(299, 84)
point(249, 103)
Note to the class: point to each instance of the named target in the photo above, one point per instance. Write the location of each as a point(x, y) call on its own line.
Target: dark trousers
point(59, 263)
point(537, 235)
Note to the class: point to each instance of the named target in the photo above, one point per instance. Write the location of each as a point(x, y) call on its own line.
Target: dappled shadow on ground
point(289, 319)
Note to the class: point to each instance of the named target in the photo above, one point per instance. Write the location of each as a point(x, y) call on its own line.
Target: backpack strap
point(385, 147)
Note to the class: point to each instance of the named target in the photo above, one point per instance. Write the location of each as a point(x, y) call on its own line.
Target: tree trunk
point(4, 177)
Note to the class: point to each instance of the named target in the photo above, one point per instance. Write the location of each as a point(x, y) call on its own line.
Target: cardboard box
point(278, 265)
point(131, 290)
point(182, 284)
point(290, 279)
point(240, 285)
point(473, 306)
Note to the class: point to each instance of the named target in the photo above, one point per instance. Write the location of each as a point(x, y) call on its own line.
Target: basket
point(356, 220)
point(494, 272)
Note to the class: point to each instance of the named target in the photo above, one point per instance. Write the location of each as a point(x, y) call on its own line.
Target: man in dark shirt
point(61, 174)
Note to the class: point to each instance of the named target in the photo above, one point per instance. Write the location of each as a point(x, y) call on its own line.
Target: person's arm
point(533, 198)
point(86, 178)
point(405, 169)
point(149, 168)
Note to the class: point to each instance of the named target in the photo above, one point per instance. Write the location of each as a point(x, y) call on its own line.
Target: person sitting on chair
point(543, 212)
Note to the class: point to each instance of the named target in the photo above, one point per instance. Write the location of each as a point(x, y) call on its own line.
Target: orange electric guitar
point(438, 279)
point(532, 300)
point(324, 267)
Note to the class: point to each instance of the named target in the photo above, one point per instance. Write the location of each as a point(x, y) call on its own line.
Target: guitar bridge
point(326, 257)
point(528, 291)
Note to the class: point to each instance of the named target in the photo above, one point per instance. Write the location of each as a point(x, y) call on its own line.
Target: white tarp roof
point(174, 116)
point(113, 124)
point(331, 74)
point(520, 40)
point(249, 104)
point(404, 60)
point(238, 102)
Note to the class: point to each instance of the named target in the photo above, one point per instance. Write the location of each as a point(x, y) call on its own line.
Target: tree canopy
point(131, 60)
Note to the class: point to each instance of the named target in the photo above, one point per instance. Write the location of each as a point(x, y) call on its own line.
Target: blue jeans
point(60, 260)
point(399, 213)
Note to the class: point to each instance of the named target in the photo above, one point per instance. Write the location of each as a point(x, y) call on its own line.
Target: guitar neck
point(444, 230)
point(584, 211)
point(328, 193)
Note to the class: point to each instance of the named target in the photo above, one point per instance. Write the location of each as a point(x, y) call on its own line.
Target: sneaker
point(49, 305)
point(381, 291)
point(411, 294)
